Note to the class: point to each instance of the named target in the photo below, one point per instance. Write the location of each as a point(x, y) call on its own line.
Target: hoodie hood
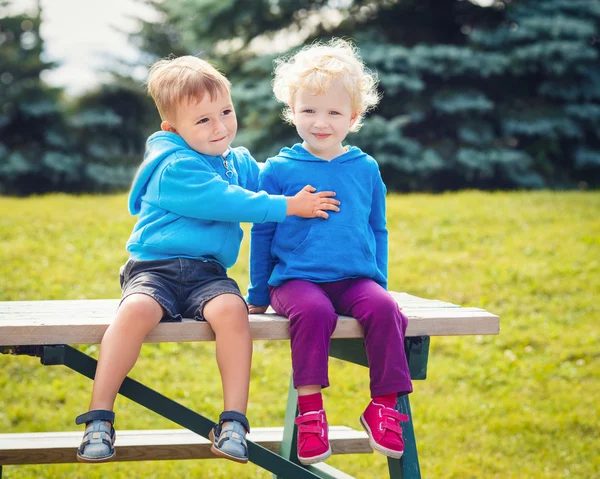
point(298, 152)
point(158, 147)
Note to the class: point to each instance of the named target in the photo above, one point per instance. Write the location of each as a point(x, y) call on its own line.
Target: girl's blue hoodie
point(189, 207)
point(352, 243)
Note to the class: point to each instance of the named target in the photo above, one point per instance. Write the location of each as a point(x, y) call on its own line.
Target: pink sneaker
point(313, 437)
point(383, 427)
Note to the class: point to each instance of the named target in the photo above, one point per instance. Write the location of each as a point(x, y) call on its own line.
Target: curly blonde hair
point(186, 78)
point(316, 67)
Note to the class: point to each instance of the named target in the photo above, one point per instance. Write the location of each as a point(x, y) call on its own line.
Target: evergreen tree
point(110, 125)
point(34, 147)
point(492, 97)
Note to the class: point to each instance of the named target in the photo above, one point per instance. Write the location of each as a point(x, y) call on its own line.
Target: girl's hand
point(257, 309)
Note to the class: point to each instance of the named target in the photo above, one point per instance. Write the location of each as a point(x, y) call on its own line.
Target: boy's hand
point(257, 309)
point(307, 204)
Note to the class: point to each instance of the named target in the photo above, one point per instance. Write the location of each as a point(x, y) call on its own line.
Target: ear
point(353, 119)
point(166, 126)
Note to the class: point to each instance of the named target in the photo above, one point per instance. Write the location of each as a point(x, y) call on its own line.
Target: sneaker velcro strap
point(386, 411)
point(309, 417)
point(94, 436)
point(234, 416)
point(392, 426)
point(96, 415)
point(304, 429)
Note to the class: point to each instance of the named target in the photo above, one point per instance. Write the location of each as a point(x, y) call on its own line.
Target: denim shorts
point(181, 286)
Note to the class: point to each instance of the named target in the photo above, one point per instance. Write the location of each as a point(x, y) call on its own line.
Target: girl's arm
point(261, 240)
point(378, 225)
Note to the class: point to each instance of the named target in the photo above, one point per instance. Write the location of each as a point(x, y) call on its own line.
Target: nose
point(219, 127)
point(320, 123)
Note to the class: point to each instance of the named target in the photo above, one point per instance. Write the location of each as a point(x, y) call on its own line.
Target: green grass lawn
point(523, 404)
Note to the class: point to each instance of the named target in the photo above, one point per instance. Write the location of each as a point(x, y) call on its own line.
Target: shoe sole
point(307, 461)
point(102, 459)
point(224, 455)
point(376, 447)
point(96, 461)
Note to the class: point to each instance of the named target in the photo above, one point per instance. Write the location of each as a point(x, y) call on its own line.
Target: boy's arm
point(190, 187)
point(261, 240)
point(378, 225)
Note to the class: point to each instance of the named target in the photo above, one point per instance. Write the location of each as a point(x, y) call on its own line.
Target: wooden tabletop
point(85, 321)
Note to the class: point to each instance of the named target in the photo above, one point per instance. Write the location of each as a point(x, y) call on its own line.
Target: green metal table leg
point(289, 442)
point(408, 466)
point(350, 349)
point(172, 410)
point(417, 354)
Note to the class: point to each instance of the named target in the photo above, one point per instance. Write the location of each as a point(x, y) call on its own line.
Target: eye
point(203, 120)
point(308, 110)
point(334, 113)
point(229, 111)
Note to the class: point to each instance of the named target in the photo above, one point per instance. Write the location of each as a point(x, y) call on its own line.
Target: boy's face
point(323, 121)
point(207, 126)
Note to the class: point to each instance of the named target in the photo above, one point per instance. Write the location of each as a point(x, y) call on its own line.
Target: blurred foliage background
point(493, 95)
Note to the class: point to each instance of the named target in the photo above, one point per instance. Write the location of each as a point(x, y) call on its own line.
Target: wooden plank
point(85, 321)
point(169, 444)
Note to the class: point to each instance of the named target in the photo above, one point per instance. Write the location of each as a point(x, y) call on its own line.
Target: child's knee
point(316, 316)
point(140, 306)
point(228, 308)
point(386, 308)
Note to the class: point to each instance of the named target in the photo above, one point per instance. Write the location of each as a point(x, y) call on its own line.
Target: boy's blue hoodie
point(187, 205)
point(352, 243)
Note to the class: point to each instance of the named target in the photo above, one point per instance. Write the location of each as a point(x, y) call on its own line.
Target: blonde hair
point(317, 66)
point(187, 78)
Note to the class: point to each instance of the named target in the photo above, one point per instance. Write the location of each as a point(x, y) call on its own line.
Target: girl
point(312, 270)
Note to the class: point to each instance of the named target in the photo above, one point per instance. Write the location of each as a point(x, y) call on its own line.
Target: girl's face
point(323, 120)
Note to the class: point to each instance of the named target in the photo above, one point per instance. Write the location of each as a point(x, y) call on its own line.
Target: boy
point(190, 193)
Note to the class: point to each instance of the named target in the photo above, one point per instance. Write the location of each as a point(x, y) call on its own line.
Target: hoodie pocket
point(333, 244)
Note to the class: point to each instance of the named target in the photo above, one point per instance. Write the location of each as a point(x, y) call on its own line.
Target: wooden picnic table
point(48, 329)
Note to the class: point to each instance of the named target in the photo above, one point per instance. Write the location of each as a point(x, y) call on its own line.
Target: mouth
point(322, 136)
point(219, 139)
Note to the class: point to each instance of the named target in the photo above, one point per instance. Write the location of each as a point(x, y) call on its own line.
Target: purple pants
point(313, 309)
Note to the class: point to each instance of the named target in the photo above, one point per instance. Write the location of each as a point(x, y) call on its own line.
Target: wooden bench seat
point(167, 444)
point(85, 321)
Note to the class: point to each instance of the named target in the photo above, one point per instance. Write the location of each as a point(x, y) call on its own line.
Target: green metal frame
point(283, 466)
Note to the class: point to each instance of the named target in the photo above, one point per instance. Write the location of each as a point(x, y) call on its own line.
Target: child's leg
point(210, 295)
point(384, 327)
point(227, 314)
point(312, 322)
point(138, 314)
point(228, 317)
point(119, 350)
